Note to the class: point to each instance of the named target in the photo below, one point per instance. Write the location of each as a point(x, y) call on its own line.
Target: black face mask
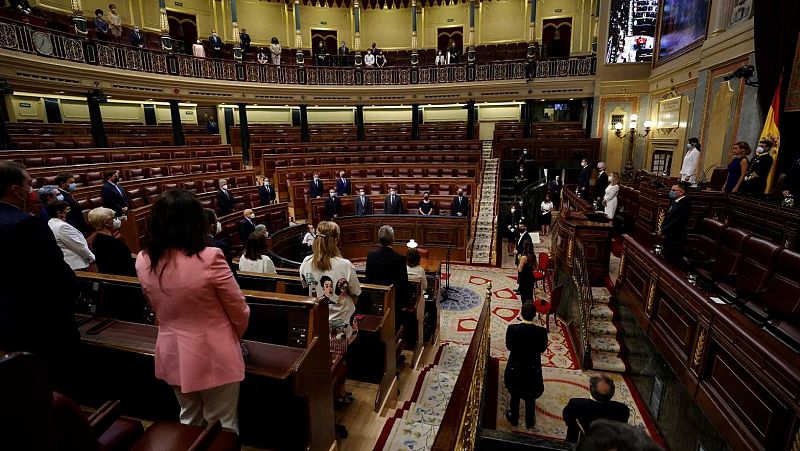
point(115, 179)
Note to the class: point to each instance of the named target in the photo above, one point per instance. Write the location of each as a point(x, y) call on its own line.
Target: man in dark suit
point(363, 206)
point(137, 38)
point(247, 226)
point(523, 236)
point(601, 183)
point(343, 186)
point(333, 205)
point(224, 199)
point(460, 205)
point(583, 411)
point(526, 341)
point(266, 193)
point(316, 188)
point(114, 197)
point(583, 179)
point(244, 42)
point(214, 229)
point(385, 266)
point(34, 317)
point(66, 185)
point(216, 45)
point(554, 188)
point(343, 51)
point(673, 228)
point(393, 203)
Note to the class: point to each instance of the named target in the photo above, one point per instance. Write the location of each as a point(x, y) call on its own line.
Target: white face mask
point(361, 194)
point(760, 149)
point(520, 203)
point(252, 216)
point(219, 227)
point(689, 146)
point(266, 182)
point(60, 197)
point(333, 194)
point(513, 210)
point(225, 187)
point(116, 223)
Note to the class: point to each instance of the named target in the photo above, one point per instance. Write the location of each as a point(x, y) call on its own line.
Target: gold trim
point(698, 349)
point(661, 215)
point(651, 295)
point(621, 271)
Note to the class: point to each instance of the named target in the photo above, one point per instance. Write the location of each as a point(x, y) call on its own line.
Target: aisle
point(485, 228)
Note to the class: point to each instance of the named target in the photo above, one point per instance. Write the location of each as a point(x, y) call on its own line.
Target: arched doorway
point(557, 36)
point(444, 35)
point(182, 30)
point(328, 37)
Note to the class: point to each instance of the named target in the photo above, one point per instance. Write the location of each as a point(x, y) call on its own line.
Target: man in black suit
point(673, 228)
point(66, 185)
point(266, 193)
point(343, 186)
point(393, 203)
point(333, 205)
point(216, 45)
point(343, 52)
point(363, 206)
point(523, 236)
point(247, 226)
point(526, 341)
point(601, 183)
point(583, 411)
point(114, 197)
point(583, 179)
point(137, 38)
point(224, 198)
point(214, 229)
point(385, 266)
point(34, 317)
point(244, 42)
point(460, 206)
point(316, 188)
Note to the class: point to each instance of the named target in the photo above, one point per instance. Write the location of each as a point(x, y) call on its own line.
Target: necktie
point(392, 201)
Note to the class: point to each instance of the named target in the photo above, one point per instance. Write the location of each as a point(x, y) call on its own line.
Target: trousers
point(222, 402)
point(530, 410)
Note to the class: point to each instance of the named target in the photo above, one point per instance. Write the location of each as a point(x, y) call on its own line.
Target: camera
point(746, 72)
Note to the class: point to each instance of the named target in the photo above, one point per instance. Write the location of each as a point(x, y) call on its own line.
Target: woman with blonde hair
point(610, 196)
point(112, 255)
point(327, 261)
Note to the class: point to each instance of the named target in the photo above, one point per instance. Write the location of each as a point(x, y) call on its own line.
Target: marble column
point(244, 131)
point(721, 15)
point(471, 119)
point(304, 135)
point(360, 131)
point(298, 35)
point(357, 30)
point(237, 46)
point(94, 99)
point(471, 38)
point(177, 126)
point(166, 41)
point(415, 121)
point(414, 55)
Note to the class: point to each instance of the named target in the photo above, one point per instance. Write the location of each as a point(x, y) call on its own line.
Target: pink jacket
point(201, 315)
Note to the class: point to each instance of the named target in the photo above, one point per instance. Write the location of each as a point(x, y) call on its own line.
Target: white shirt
point(262, 266)
point(439, 60)
point(341, 307)
point(369, 59)
point(546, 207)
point(308, 239)
point(690, 162)
point(72, 243)
point(417, 274)
point(198, 50)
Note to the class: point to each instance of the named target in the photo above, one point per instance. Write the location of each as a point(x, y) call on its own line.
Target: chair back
point(544, 261)
point(555, 298)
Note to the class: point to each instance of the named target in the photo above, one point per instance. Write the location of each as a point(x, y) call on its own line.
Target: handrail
point(580, 275)
point(461, 420)
point(41, 41)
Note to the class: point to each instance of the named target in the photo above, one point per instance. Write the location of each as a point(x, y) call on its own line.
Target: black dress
point(761, 165)
point(526, 282)
point(426, 207)
point(112, 256)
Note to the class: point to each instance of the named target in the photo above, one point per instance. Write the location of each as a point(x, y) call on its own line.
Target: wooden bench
point(40, 158)
point(363, 147)
point(58, 142)
point(441, 205)
point(30, 128)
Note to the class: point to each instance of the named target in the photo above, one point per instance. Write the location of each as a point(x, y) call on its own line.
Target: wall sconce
point(632, 134)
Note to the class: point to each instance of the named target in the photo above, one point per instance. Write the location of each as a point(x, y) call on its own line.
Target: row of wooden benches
point(28, 142)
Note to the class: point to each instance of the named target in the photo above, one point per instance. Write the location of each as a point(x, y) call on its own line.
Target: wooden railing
point(41, 41)
point(461, 420)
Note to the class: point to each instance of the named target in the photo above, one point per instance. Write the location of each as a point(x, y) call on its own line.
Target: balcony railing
point(28, 38)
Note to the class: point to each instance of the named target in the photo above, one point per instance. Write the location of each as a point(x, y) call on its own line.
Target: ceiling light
point(572, 99)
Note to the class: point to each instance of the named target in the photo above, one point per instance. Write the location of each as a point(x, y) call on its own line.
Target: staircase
point(483, 241)
point(603, 334)
point(414, 424)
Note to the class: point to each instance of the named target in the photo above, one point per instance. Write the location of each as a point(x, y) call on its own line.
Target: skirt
point(547, 218)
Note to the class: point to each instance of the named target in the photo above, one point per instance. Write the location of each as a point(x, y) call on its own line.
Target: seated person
point(247, 225)
point(426, 205)
point(584, 411)
point(112, 255)
point(416, 273)
point(254, 258)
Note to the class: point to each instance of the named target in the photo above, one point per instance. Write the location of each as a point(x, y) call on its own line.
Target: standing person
point(737, 168)
point(755, 182)
point(255, 258)
point(216, 45)
point(526, 341)
point(369, 59)
point(137, 38)
point(47, 194)
point(673, 228)
point(71, 241)
point(583, 179)
point(266, 193)
point(452, 53)
point(343, 186)
point(224, 199)
point(34, 317)
point(602, 180)
point(212, 126)
point(380, 59)
point(320, 53)
point(690, 161)
point(582, 412)
point(198, 50)
point(66, 186)
point(215, 228)
point(425, 207)
point(113, 195)
point(308, 239)
point(373, 50)
point(416, 273)
point(316, 188)
point(115, 22)
point(112, 255)
point(460, 205)
point(525, 267)
point(363, 206)
point(546, 208)
point(343, 52)
point(327, 261)
point(513, 219)
point(244, 42)
point(247, 225)
point(200, 309)
point(333, 205)
point(100, 25)
point(275, 51)
point(387, 267)
point(393, 203)
point(262, 57)
point(440, 59)
point(554, 188)
point(610, 197)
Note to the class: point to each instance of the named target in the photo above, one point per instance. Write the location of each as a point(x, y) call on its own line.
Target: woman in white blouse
point(610, 196)
point(254, 258)
point(71, 241)
point(369, 60)
point(308, 239)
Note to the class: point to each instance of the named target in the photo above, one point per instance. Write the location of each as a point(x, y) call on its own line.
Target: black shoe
point(530, 426)
point(511, 420)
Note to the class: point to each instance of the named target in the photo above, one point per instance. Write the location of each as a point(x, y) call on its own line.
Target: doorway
point(329, 38)
point(182, 30)
point(557, 36)
point(445, 34)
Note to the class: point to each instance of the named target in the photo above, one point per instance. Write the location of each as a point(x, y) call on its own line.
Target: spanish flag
point(771, 131)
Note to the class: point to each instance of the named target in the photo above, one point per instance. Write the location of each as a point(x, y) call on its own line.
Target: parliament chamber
point(206, 207)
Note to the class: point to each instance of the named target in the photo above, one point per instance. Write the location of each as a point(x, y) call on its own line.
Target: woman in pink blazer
point(200, 309)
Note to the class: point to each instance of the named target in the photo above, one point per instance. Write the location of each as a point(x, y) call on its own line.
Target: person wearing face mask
point(737, 168)
point(363, 205)
point(113, 195)
point(554, 188)
point(112, 255)
point(583, 179)
point(66, 186)
point(343, 186)
point(333, 205)
point(690, 161)
point(513, 218)
point(224, 198)
point(137, 38)
point(755, 182)
point(71, 241)
point(266, 193)
point(610, 197)
point(47, 194)
point(213, 230)
point(216, 45)
point(316, 188)
point(393, 203)
point(601, 182)
point(460, 205)
point(673, 227)
point(34, 317)
point(425, 207)
point(247, 225)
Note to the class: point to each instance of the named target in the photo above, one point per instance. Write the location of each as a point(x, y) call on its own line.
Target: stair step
point(604, 344)
point(597, 327)
point(602, 312)
point(607, 361)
